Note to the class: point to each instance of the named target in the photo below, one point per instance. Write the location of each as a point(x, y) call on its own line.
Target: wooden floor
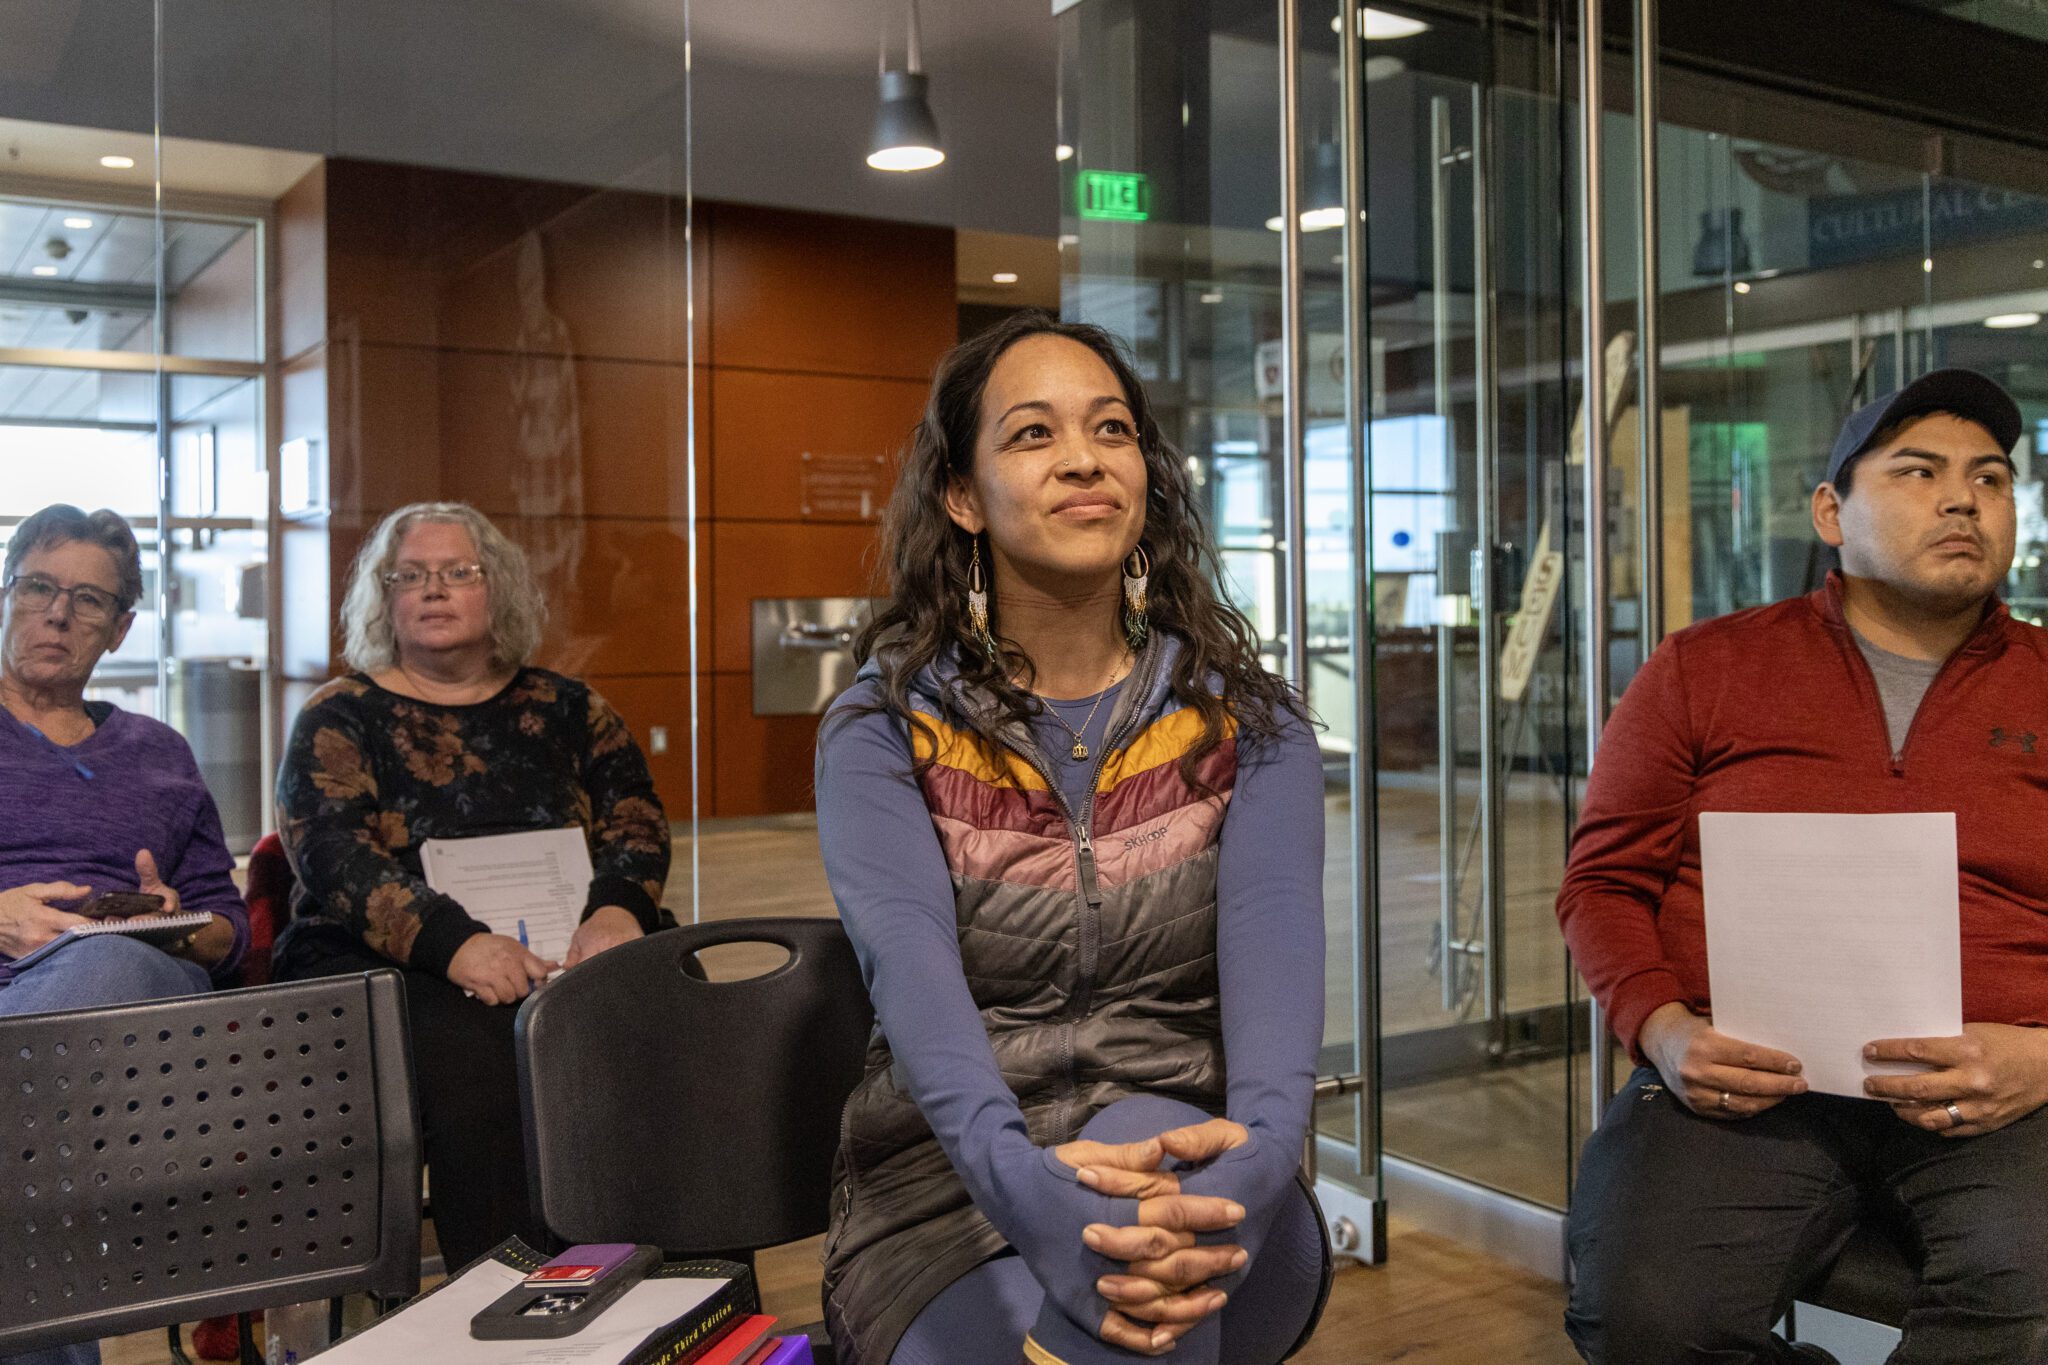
point(1433, 1303)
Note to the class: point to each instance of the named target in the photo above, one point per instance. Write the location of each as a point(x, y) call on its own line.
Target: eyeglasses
point(33, 592)
point(413, 578)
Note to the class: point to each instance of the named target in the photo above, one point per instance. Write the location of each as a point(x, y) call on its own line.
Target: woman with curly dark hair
point(1075, 831)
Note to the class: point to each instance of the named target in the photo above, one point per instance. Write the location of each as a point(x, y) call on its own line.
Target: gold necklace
point(1080, 749)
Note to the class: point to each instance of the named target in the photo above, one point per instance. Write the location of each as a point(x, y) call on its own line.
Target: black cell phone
point(551, 1304)
point(120, 905)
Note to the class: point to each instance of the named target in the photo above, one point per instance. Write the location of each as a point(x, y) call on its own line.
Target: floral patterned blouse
point(369, 776)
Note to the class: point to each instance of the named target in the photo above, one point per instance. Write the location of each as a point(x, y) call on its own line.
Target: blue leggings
point(107, 970)
point(982, 1317)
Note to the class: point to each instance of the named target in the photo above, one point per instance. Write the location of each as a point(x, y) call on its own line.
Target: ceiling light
point(1312, 220)
point(78, 224)
point(1742, 286)
point(1004, 277)
point(1377, 24)
point(1927, 264)
point(1063, 153)
point(1381, 25)
point(2001, 321)
point(118, 163)
point(1325, 194)
point(44, 270)
point(906, 135)
point(1213, 296)
point(2039, 264)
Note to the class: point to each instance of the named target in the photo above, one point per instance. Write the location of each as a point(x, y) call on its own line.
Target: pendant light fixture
point(906, 135)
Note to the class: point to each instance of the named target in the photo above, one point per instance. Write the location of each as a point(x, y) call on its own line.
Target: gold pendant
point(1080, 750)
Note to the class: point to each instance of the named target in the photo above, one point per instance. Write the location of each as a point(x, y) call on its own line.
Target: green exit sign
point(1115, 196)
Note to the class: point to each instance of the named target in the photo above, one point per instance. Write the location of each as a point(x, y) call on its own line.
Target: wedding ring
point(1955, 1115)
point(1724, 1100)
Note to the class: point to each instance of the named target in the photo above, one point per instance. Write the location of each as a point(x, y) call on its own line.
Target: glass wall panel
point(1184, 102)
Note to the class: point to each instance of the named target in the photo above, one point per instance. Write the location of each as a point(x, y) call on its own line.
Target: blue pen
point(522, 934)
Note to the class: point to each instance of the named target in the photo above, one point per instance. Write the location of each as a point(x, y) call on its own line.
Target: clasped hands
point(1989, 1076)
point(1165, 1290)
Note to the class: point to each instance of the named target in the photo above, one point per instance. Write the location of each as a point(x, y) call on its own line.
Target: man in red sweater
point(1716, 1185)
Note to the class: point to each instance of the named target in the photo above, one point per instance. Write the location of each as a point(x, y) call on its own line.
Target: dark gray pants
point(1691, 1236)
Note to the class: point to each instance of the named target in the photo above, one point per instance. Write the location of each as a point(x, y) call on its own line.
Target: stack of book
point(751, 1341)
point(682, 1313)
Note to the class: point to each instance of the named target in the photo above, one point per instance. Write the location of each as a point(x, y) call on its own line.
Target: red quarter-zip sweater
point(1774, 709)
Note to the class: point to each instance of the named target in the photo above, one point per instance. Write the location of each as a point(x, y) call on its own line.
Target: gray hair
point(61, 523)
point(518, 612)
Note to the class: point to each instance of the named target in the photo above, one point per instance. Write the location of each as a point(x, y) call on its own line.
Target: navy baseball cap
point(1963, 392)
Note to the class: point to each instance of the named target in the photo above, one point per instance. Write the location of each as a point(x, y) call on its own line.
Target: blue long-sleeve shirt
point(889, 876)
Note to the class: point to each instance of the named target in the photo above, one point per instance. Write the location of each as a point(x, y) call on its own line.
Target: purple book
point(787, 1351)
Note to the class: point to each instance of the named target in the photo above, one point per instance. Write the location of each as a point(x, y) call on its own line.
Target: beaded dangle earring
point(977, 603)
point(1137, 570)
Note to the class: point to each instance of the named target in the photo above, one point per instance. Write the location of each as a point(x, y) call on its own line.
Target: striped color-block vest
point(1088, 938)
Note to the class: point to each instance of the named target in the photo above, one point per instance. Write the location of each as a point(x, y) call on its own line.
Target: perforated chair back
point(695, 1115)
point(179, 1159)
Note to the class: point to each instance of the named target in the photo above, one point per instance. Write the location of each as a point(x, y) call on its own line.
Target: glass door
point(1175, 236)
point(1476, 458)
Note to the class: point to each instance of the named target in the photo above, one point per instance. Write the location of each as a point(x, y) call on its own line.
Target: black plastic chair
point(181, 1159)
point(698, 1116)
point(1875, 1276)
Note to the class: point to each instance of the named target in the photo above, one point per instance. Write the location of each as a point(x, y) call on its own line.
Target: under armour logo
point(2026, 741)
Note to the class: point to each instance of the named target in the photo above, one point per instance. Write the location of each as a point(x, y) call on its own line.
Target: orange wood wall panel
point(602, 275)
point(804, 291)
point(645, 702)
point(765, 762)
point(618, 592)
point(778, 559)
point(764, 423)
point(548, 435)
point(384, 426)
point(302, 263)
point(476, 328)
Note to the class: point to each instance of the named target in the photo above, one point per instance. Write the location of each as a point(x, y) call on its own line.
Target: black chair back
point(180, 1159)
point(698, 1116)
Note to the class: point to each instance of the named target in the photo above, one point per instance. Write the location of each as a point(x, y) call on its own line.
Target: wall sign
point(1115, 196)
point(842, 485)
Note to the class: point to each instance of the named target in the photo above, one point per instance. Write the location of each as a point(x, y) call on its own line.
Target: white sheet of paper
point(436, 1328)
point(539, 879)
point(1827, 932)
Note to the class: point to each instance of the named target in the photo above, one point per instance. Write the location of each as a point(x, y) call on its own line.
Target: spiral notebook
point(156, 929)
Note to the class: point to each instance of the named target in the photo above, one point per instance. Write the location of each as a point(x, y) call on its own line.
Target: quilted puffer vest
point(1088, 938)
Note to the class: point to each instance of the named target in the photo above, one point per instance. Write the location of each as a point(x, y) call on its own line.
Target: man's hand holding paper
point(1713, 1075)
point(1827, 931)
point(1992, 1075)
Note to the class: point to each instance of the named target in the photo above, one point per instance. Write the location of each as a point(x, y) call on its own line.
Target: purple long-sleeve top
point(80, 813)
point(889, 876)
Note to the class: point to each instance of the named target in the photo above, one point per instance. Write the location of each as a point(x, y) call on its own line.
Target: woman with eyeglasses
point(97, 799)
point(443, 730)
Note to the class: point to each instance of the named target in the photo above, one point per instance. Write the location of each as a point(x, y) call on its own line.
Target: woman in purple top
point(96, 798)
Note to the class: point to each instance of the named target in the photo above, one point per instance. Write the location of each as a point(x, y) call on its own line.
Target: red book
point(739, 1343)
